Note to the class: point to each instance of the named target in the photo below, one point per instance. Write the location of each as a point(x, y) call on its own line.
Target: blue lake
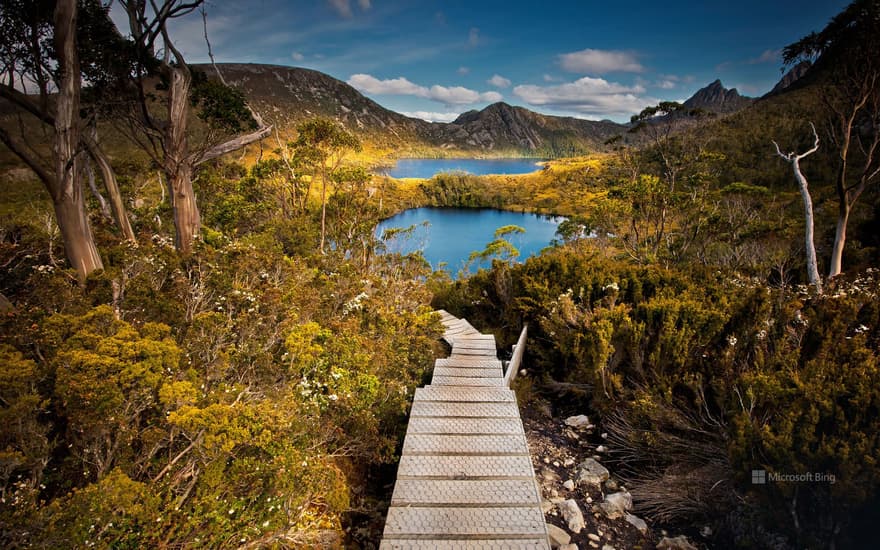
point(428, 168)
point(453, 233)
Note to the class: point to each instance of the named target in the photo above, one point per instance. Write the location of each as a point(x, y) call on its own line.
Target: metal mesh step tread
point(465, 467)
point(507, 444)
point(510, 492)
point(494, 372)
point(490, 426)
point(441, 408)
point(471, 343)
point(468, 361)
point(458, 393)
point(496, 382)
point(465, 544)
point(473, 352)
point(432, 521)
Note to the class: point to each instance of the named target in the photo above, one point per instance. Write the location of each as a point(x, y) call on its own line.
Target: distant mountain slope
point(502, 126)
point(288, 95)
point(718, 99)
point(793, 75)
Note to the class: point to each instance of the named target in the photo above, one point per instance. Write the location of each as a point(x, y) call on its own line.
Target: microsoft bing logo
point(759, 477)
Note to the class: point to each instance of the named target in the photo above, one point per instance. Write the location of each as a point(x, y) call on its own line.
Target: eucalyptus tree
point(167, 139)
point(794, 159)
point(39, 53)
point(320, 148)
point(847, 55)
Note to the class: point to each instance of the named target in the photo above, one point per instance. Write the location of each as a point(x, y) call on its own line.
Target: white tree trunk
point(794, 159)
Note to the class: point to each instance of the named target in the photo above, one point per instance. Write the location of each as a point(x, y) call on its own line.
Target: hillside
point(288, 95)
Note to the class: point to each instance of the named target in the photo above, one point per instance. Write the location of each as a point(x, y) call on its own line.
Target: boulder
point(579, 421)
point(569, 485)
point(558, 536)
point(637, 522)
point(676, 543)
point(571, 546)
point(617, 504)
point(590, 472)
point(572, 515)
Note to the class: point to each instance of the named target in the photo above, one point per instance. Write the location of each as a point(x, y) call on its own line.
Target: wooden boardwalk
point(465, 480)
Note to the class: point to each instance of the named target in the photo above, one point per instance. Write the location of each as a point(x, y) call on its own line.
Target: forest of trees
point(207, 353)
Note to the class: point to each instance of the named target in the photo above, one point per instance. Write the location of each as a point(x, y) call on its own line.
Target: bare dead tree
point(794, 159)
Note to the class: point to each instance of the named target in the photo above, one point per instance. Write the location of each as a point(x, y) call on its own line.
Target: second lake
point(453, 233)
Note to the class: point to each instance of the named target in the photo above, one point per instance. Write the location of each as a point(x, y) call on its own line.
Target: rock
point(590, 472)
point(677, 543)
point(579, 421)
point(611, 485)
point(601, 449)
point(705, 531)
point(569, 485)
point(546, 506)
point(571, 546)
point(604, 435)
point(558, 536)
point(5, 305)
point(608, 547)
point(572, 515)
point(637, 522)
point(589, 500)
point(556, 463)
point(549, 475)
point(616, 504)
point(593, 537)
point(568, 462)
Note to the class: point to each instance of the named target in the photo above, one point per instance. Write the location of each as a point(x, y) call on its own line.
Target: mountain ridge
point(287, 95)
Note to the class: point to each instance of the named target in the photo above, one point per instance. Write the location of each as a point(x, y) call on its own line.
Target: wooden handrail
point(515, 361)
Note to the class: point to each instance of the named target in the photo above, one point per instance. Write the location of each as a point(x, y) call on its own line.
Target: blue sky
point(436, 59)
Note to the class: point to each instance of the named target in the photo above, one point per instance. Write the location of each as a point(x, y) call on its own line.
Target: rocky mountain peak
point(716, 98)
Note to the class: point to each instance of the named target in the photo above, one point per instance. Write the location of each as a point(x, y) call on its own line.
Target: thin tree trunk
point(809, 241)
point(839, 239)
point(68, 197)
point(178, 164)
point(102, 202)
point(117, 206)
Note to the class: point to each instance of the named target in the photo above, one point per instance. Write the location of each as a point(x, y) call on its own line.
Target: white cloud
point(343, 7)
point(666, 84)
point(463, 70)
point(474, 36)
point(590, 96)
point(431, 116)
point(297, 56)
point(394, 86)
point(600, 61)
point(499, 81)
point(767, 56)
point(550, 78)
point(448, 95)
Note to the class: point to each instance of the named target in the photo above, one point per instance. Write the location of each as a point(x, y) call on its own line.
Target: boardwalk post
point(465, 479)
point(516, 360)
